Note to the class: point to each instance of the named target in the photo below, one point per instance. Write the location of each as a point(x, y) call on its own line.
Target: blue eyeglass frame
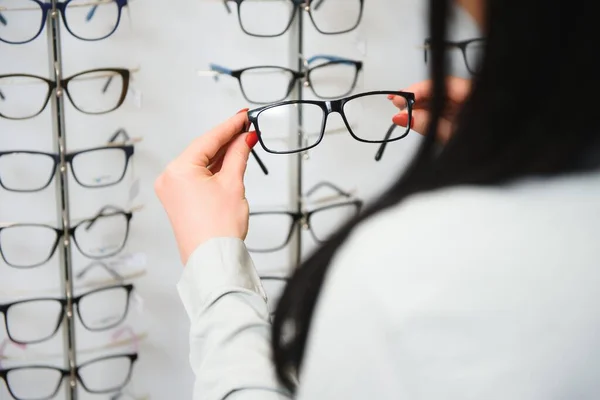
point(46, 7)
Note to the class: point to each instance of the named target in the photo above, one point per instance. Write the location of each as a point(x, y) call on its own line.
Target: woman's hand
point(203, 191)
point(457, 91)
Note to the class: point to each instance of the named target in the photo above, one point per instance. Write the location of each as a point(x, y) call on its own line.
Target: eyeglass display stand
point(296, 51)
point(62, 196)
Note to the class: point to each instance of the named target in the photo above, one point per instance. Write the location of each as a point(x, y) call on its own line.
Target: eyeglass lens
point(473, 54)
point(22, 20)
point(266, 84)
point(35, 321)
point(335, 16)
point(325, 222)
point(26, 171)
point(22, 96)
point(252, 16)
point(333, 79)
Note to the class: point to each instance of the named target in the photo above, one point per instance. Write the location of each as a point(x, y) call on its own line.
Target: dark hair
point(522, 118)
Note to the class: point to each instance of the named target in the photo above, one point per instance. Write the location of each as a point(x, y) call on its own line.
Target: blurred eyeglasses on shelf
point(96, 91)
point(37, 320)
point(22, 21)
point(472, 52)
point(28, 245)
point(270, 231)
point(329, 77)
point(98, 167)
point(367, 117)
point(102, 375)
point(271, 18)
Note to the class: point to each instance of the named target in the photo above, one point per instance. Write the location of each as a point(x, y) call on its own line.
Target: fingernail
point(243, 110)
point(390, 96)
point(251, 139)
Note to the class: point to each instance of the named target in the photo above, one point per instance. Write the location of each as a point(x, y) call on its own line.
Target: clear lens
point(22, 96)
point(103, 309)
point(92, 19)
point(266, 18)
point(106, 375)
point(102, 237)
point(268, 231)
point(26, 171)
point(335, 16)
point(266, 84)
point(333, 79)
point(96, 92)
point(325, 222)
point(98, 168)
point(274, 122)
point(34, 383)
point(33, 321)
point(370, 118)
point(26, 246)
point(473, 55)
point(20, 20)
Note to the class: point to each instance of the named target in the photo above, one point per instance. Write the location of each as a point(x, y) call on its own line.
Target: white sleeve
point(230, 334)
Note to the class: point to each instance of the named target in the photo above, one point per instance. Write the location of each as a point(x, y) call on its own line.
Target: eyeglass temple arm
point(99, 214)
point(225, 3)
point(318, 4)
point(330, 185)
point(328, 57)
point(102, 265)
point(381, 150)
point(119, 132)
point(3, 20)
point(220, 70)
point(261, 164)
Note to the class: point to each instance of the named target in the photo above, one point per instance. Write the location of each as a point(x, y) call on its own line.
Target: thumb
point(236, 156)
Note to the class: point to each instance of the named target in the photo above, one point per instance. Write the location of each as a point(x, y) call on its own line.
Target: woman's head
point(526, 116)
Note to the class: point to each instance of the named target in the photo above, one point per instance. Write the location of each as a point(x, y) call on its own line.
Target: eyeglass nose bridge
point(334, 106)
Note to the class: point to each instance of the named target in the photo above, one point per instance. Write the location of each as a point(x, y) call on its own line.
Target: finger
point(236, 156)
point(420, 121)
point(205, 148)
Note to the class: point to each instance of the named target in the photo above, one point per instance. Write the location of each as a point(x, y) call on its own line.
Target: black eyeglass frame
point(5, 308)
point(64, 84)
point(297, 4)
point(295, 76)
point(113, 211)
point(4, 375)
point(461, 45)
point(329, 107)
point(69, 157)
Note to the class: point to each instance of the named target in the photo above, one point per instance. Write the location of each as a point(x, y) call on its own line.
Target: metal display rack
point(62, 196)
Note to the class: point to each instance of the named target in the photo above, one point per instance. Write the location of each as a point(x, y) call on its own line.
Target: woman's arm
point(230, 351)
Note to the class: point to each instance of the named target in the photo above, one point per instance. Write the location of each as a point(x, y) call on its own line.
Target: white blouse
point(463, 293)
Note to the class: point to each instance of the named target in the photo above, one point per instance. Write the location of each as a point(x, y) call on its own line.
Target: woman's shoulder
point(445, 228)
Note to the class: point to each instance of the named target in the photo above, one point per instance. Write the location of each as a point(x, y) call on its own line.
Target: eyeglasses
point(472, 52)
point(329, 17)
point(24, 245)
point(37, 320)
point(24, 96)
point(32, 171)
point(271, 231)
point(40, 382)
point(22, 21)
point(334, 78)
point(270, 120)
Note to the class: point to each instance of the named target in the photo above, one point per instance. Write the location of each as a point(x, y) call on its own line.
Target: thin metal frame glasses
point(39, 10)
point(248, 16)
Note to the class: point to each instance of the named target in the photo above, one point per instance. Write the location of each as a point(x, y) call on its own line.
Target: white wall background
point(170, 41)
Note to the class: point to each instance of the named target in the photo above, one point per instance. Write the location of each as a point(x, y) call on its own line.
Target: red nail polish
point(251, 139)
point(242, 111)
